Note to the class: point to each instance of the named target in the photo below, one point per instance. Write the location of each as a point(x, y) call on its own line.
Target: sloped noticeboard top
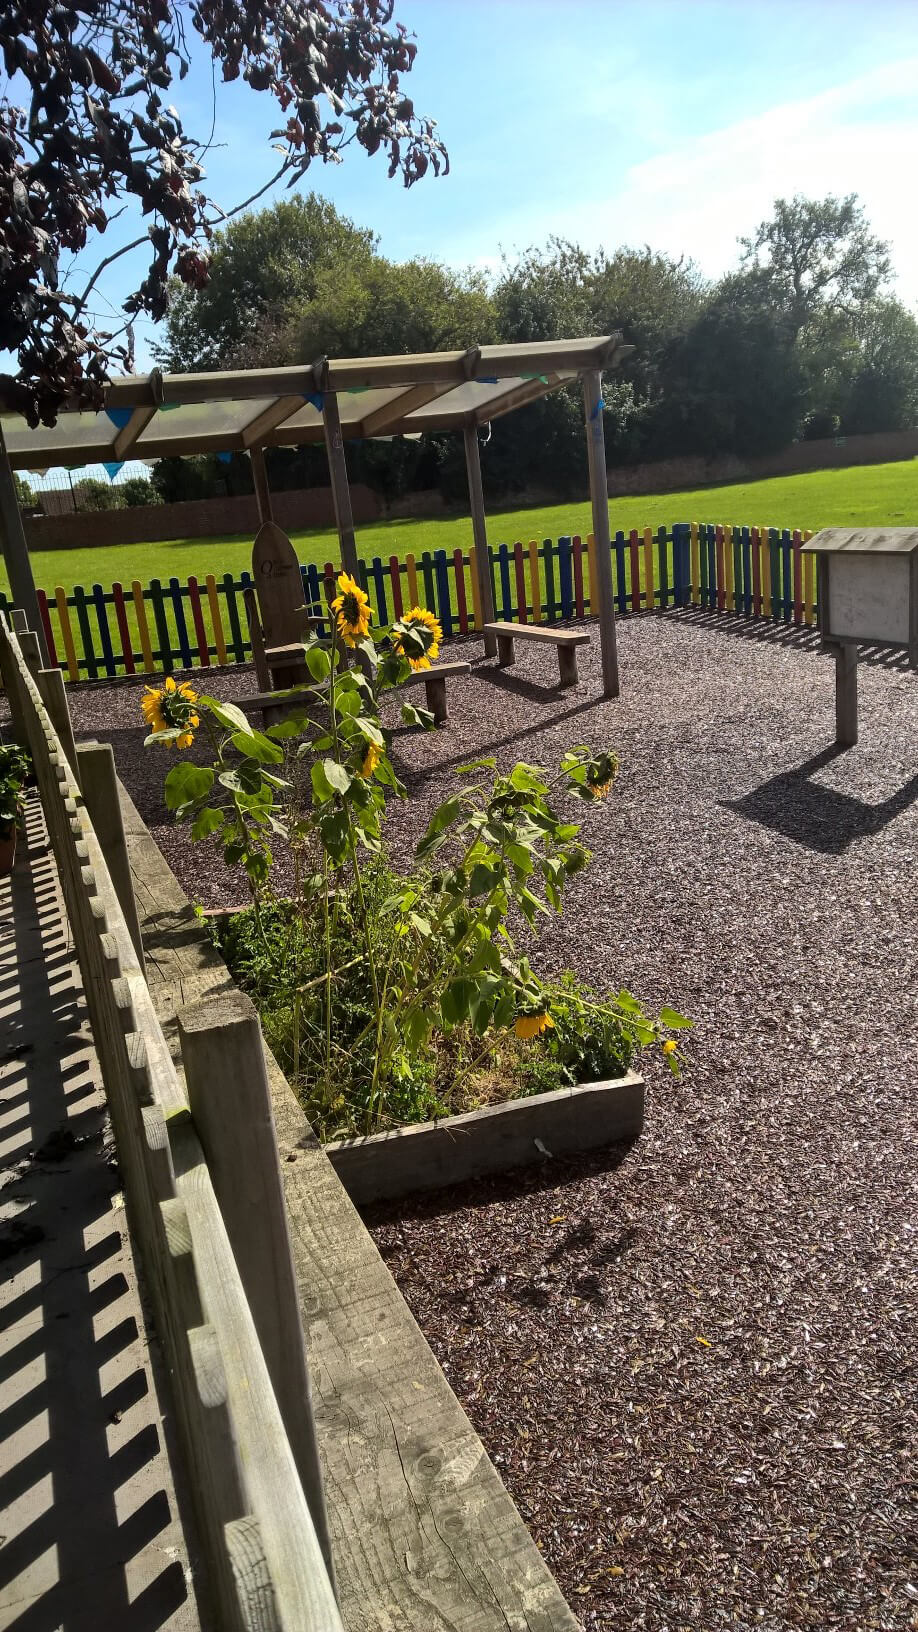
point(158, 415)
point(863, 541)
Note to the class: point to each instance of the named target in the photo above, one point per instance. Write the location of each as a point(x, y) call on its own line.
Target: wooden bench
point(566, 641)
point(434, 682)
point(274, 705)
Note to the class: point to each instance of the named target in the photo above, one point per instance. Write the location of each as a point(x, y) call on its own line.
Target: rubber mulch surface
point(694, 1360)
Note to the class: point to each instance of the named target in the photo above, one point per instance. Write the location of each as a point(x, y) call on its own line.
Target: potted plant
point(14, 770)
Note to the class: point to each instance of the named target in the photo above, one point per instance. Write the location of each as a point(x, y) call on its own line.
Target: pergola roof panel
point(159, 415)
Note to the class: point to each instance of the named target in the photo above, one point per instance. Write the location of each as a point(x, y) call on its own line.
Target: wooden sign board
point(868, 586)
point(278, 585)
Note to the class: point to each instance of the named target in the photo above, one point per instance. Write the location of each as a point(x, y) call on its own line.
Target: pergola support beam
point(16, 553)
point(260, 478)
point(480, 533)
point(599, 494)
point(341, 492)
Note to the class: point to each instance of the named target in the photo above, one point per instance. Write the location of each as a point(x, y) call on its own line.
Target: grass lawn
point(863, 495)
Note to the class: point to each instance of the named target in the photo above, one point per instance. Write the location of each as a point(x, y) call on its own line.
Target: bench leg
point(435, 688)
point(505, 652)
point(567, 664)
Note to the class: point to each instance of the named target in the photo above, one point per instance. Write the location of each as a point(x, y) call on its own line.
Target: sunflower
point(353, 610)
point(424, 626)
point(669, 1047)
point(530, 1025)
point(172, 708)
point(371, 759)
point(601, 773)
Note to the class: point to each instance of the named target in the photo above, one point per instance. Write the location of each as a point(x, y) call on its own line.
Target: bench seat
point(565, 641)
point(274, 705)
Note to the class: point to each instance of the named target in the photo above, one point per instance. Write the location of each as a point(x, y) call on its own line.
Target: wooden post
point(341, 492)
point(16, 552)
point(480, 533)
point(230, 1100)
point(98, 781)
point(599, 493)
point(260, 478)
point(50, 683)
point(846, 696)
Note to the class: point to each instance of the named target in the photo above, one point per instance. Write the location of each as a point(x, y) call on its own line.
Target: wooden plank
point(213, 601)
point(230, 1100)
point(430, 1155)
point(63, 618)
point(529, 631)
point(124, 630)
point(134, 428)
point(143, 627)
point(269, 420)
point(423, 1531)
point(695, 564)
point(519, 574)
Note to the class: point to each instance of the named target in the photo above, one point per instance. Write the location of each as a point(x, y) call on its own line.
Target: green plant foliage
point(15, 769)
point(368, 982)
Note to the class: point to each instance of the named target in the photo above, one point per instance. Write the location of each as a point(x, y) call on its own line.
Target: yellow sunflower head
point(601, 773)
point(172, 708)
point(370, 760)
point(530, 1025)
point(352, 610)
point(669, 1047)
point(417, 636)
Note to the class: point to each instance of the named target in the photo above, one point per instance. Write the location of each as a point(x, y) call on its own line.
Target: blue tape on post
point(317, 398)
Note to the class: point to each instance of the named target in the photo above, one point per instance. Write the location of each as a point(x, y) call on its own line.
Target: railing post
point(50, 683)
point(96, 775)
point(230, 1100)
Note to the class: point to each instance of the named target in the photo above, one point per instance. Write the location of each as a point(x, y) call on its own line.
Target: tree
point(93, 132)
point(819, 258)
point(375, 307)
point(264, 267)
point(24, 491)
point(734, 383)
point(94, 494)
point(138, 490)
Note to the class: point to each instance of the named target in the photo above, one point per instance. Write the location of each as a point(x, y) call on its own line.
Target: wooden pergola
point(334, 401)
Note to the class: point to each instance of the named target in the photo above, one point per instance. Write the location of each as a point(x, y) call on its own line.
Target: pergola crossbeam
point(269, 419)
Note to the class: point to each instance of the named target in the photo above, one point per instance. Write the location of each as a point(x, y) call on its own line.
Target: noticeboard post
point(868, 596)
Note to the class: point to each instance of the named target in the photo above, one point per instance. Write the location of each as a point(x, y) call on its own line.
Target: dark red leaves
point(97, 130)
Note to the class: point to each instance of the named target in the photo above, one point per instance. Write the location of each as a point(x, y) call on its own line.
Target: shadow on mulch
point(819, 818)
point(497, 1188)
point(800, 638)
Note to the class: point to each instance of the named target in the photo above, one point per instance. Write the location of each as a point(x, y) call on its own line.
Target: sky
point(671, 123)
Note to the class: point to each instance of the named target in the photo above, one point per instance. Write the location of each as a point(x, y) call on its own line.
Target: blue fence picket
point(444, 608)
point(565, 578)
point(506, 594)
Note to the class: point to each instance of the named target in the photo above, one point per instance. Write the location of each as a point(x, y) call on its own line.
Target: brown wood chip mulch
point(694, 1361)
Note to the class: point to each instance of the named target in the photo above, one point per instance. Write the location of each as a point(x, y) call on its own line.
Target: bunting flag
point(317, 399)
point(114, 467)
point(542, 377)
point(224, 457)
point(485, 379)
point(119, 416)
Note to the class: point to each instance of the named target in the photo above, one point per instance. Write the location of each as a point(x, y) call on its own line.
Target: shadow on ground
point(90, 1540)
point(820, 818)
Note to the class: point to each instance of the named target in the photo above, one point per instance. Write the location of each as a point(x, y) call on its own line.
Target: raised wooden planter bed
point(429, 1155)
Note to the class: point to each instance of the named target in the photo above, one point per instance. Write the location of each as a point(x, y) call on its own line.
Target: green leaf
point(290, 727)
point(321, 787)
point(528, 778)
point(232, 780)
point(207, 821)
point(337, 776)
point(257, 746)
point(347, 701)
point(476, 765)
point(186, 783)
point(484, 879)
point(370, 731)
point(417, 716)
point(455, 1001)
point(318, 662)
point(229, 715)
point(672, 1019)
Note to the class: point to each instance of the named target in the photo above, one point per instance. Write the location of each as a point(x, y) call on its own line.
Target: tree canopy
point(87, 128)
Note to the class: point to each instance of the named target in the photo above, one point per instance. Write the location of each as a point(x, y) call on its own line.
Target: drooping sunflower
point(371, 759)
point(424, 626)
point(352, 610)
point(528, 1026)
point(172, 708)
point(601, 774)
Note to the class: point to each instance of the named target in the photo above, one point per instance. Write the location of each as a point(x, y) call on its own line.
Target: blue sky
point(668, 122)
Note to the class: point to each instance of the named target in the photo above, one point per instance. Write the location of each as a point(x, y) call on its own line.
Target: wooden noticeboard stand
point(868, 596)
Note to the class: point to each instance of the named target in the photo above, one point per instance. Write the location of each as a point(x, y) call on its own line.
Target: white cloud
point(697, 197)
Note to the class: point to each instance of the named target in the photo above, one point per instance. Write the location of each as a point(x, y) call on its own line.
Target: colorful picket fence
point(759, 572)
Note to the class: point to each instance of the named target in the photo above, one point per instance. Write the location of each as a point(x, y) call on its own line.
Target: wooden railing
point(203, 1192)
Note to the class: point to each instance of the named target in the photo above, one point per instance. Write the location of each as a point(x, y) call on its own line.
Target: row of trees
point(803, 338)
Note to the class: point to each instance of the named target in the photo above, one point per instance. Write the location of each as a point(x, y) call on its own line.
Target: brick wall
point(193, 518)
